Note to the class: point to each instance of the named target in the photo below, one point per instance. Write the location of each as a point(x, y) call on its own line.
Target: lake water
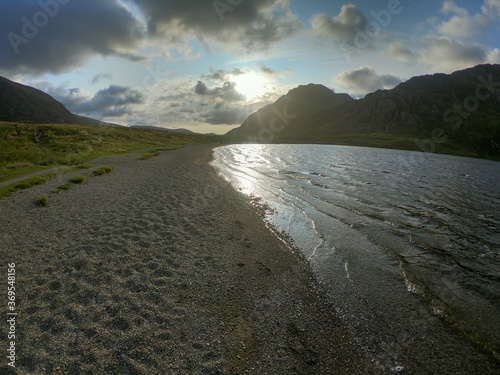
point(407, 244)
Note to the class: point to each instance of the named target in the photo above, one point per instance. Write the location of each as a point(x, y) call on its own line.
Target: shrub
point(103, 170)
point(84, 166)
point(42, 201)
point(22, 185)
point(29, 183)
point(149, 155)
point(64, 187)
point(78, 180)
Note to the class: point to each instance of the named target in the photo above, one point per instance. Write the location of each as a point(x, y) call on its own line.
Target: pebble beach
point(161, 267)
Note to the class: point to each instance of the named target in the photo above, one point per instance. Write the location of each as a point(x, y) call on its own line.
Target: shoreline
point(162, 267)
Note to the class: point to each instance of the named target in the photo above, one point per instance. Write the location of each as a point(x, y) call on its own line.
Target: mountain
point(177, 130)
point(456, 113)
point(171, 130)
point(20, 103)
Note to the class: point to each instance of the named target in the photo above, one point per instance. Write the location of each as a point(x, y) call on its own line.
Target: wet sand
point(161, 267)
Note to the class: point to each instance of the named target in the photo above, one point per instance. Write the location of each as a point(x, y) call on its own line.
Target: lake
point(407, 244)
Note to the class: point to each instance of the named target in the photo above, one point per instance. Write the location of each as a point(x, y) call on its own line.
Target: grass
point(28, 148)
point(156, 152)
point(64, 187)
point(8, 190)
point(29, 183)
point(5, 191)
point(78, 180)
point(402, 141)
point(42, 201)
point(82, 166)
point(149, 155)
point(103, 170)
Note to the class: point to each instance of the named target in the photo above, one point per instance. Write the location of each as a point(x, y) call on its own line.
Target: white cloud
point(494, 56)
point(462, 24)
point(447, 55)
point(451, 7)
point(210, 101)
point(400, 52)
point(364, 80)
point(493, 5)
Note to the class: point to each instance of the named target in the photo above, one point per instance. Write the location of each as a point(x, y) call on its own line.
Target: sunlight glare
point(251, 85)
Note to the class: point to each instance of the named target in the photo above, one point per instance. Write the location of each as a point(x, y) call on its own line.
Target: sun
point(251, 85)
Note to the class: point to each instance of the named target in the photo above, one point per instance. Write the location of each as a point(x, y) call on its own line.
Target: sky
point(205, 65)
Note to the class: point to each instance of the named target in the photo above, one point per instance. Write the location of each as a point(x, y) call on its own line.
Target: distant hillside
point(20, 103)
point(459, 112)
point(178, 130)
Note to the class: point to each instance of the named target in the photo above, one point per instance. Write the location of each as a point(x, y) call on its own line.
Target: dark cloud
point(226, 92)
point(266, 70)
point(222, 75)
point(114, 101)
point(251, 24)
point(57, 35)
point(220, 116)
point(364, 80)
point(215, 75)
point(271, 73)
point(70, 97)
point(101, 76)
point(228, 114)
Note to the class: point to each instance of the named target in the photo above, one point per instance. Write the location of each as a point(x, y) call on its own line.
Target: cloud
point(494, 56)
point(263, 69)
point(400, 52)
point(101, 76)
point(251, 24)
point(450, 7)
point(492, 5)
point(224, 116)
point(462, 24)
point(46, 36)
point(271, 74)
point(70, 97)
point(222, 75)
point(226, 92)
point(342, 28)
point(181, 102)
point(447, 55)
point(364, 80)
point(114, 101)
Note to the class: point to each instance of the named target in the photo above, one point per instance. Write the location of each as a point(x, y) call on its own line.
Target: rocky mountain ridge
point(463, 107)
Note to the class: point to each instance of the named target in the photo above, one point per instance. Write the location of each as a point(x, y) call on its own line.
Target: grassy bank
point(408, 142)
point(28, 148)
